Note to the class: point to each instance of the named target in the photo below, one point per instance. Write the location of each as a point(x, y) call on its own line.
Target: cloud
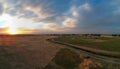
point(74, 16)
point(36, 10)
point(91, 18)
point(64, 16)
point(1, 8)
point(69, 23)
point(2, 30)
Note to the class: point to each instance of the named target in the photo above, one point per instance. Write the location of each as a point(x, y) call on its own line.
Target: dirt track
point(86, 51)
point(34, 52)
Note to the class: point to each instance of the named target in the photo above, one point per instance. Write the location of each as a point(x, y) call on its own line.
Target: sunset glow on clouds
point(60, 16)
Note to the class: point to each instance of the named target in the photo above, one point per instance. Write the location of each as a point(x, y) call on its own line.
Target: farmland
point(103, 43)
point(35, 52)
point(26, 52)
point(108, 46)
point(73, 60)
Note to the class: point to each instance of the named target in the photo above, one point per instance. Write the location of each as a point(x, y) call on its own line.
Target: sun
point(13, 31)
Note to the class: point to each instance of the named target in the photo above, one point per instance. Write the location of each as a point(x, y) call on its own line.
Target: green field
point(68, 59)
point(103, 43)
point(107, 46)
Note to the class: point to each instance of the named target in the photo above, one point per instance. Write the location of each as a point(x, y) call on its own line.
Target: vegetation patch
point(68, 59)
point(103, 43)
point(10, 59)
point(107, 46)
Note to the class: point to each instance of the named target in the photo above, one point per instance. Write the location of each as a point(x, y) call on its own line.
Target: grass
point(65, 59)
point(10, 59)
point(26, 51)
point(103, 43)
point(4, 59)
point(106, 46)
point(4, 64)
point(68, 59)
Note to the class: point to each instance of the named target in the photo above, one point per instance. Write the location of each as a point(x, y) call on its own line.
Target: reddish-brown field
point(35, 50)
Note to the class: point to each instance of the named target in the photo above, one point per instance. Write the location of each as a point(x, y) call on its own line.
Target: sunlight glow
point(13, 31)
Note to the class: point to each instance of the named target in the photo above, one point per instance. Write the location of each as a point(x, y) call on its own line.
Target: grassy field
point(9, 59)
point(103, 43)
point(34, 52)
point(68, 59)
point(107, 46)
point(26, 51)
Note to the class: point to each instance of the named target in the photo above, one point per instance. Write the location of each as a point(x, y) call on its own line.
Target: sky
point(61, 16)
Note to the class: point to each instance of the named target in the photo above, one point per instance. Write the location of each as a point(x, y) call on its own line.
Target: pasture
point(107, 46)
point(68, 59)
point(26, 51)
point(35, 52)
point(103, 43)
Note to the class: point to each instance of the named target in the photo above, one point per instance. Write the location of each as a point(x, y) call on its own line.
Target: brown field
point(36, 51)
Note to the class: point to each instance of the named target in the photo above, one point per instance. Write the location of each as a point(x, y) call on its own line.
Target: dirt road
point(35, 52)
point(85, 52)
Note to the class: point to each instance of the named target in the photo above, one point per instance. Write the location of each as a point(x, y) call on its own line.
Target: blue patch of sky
point(60, 6)
point(2, 23)
point(78, 2)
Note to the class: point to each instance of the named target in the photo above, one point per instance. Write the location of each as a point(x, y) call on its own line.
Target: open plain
point(36, 52)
